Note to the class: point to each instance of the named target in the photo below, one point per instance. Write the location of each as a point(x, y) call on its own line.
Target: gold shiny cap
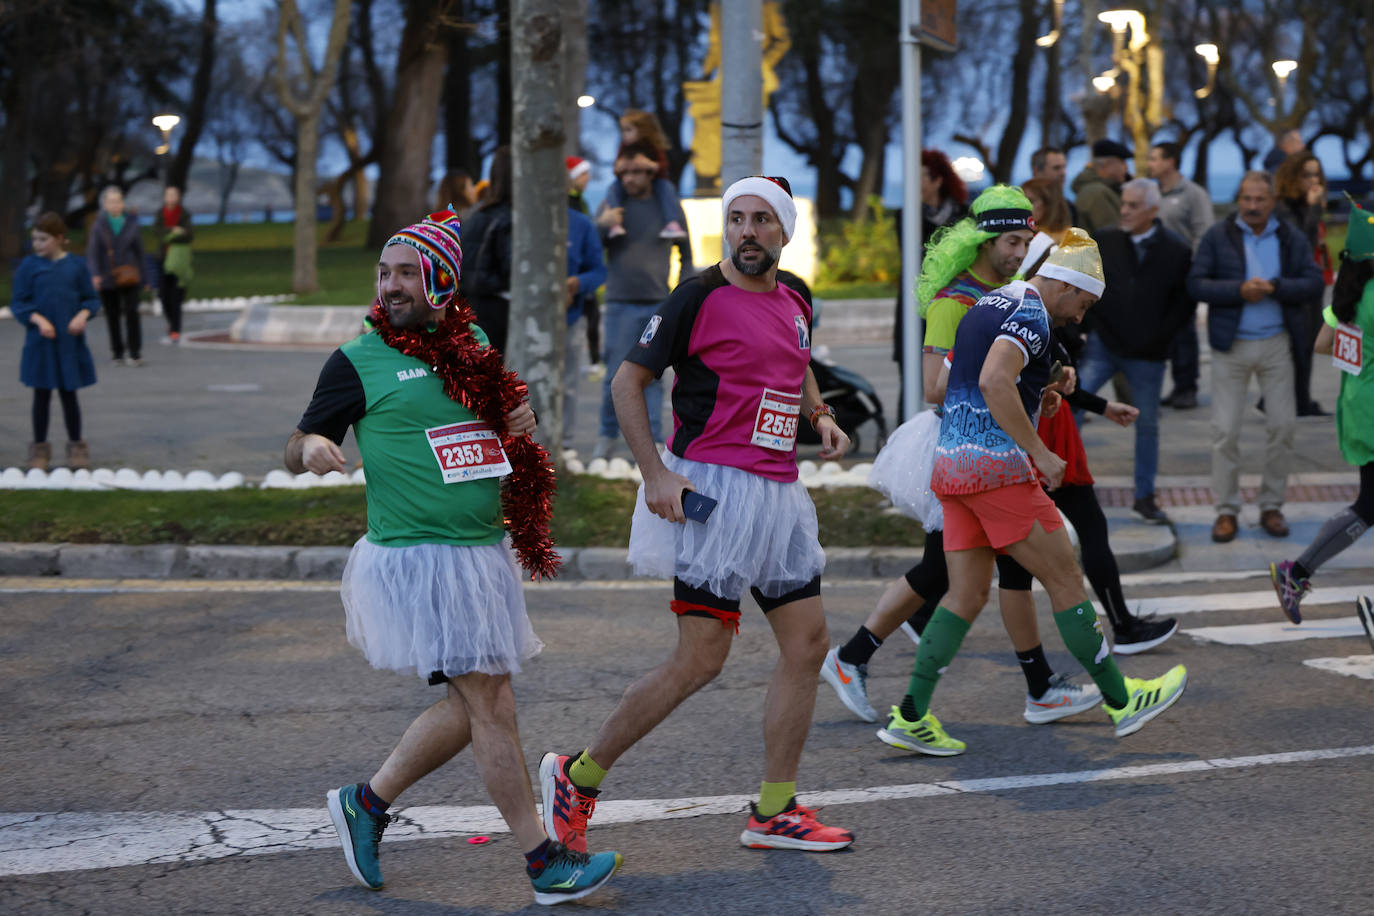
point(1077, 262)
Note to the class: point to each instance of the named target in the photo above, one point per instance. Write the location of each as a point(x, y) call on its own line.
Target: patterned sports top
point(974, 454)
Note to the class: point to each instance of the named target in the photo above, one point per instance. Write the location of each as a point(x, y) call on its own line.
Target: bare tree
point(539, 212)
point(305, 101)
point(194, 122)
point(403, 172)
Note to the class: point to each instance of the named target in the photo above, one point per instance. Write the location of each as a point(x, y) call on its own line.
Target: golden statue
point(703, 96)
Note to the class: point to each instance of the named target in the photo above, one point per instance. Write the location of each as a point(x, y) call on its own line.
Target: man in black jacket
point(1133, 324)
point(1254, 272)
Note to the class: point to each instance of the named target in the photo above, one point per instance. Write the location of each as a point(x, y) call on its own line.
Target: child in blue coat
point(53, 297)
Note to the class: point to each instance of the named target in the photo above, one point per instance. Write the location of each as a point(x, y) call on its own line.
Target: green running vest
point(408, 502)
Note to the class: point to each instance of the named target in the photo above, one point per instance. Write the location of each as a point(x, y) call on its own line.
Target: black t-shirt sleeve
point(339, 400)
point(665, 338)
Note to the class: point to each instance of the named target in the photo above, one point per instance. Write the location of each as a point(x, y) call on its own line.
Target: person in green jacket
point(173, 229)
point(1348, 320)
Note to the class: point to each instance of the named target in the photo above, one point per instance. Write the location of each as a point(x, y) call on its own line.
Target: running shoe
point(794, 827)
point(359, 833)
point(925, 736)
point(1366, 615)
point(1143, 634)
point(1063, 699)
point(569, 875)
point(1289, 588)
point(1147, 700)
point(566, 806)
point(851, 683)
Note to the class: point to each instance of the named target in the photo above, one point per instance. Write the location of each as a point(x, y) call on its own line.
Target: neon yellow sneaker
point(925, 736)
point(1147, 700)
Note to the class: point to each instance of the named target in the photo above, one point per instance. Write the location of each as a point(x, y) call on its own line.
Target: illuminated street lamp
point(1283, 69)
point(1212, 55)
point(165, 123)
point(1137, 58)
point(586, 101)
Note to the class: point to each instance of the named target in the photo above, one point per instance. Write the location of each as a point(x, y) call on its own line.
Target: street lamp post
point(1282, 69)
point(1137, 54)
point(165, 123)
point(1212, 55)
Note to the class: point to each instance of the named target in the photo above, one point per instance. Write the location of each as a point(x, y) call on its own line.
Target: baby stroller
point(855, 402)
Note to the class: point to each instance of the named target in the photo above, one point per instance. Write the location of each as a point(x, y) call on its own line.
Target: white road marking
point(1361, 666)
point(39, 842)
point(1255, 634)
point(1243, 601)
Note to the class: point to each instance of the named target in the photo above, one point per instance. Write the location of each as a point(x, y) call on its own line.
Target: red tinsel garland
point(476, 377)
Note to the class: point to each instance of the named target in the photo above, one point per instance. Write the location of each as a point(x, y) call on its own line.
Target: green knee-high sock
point(939, 644)
point(1083, 637)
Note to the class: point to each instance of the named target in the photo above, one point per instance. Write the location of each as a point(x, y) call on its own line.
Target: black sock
point(1036, 670)
point(534, 859)
point(372, 801)
point(1300, 571)
point(860, 647)
point(908, 709)
point(921, 618)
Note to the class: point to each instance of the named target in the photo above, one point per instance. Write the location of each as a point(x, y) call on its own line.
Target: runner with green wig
point(953, 249)
point(962, 263)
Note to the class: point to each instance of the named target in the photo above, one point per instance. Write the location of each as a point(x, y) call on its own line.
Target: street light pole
point(912, 397)
point(165, 123)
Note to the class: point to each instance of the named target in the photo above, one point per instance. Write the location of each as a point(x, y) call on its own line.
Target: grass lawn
point(856, 291)
point(589, 512)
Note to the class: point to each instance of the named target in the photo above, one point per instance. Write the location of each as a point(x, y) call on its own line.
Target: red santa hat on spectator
point(577, 167)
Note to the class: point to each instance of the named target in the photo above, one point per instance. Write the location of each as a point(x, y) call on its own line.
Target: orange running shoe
point(794, 827)
point(566, 805)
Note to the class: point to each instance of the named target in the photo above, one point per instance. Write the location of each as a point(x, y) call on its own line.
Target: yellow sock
point(585, 772)
point(775, 796)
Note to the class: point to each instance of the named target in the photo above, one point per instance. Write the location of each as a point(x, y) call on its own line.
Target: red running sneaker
point(566, 806)
point(794, 827)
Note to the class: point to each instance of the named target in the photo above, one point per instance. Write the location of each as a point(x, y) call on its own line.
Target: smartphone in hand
point(696, 507)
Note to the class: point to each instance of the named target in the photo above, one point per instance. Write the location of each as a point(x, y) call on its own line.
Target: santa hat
point(438, 239)
point(775, 192)
point(1076, 262)
point(577, 167)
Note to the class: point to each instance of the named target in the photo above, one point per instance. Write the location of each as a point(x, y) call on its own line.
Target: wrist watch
point(821, 410)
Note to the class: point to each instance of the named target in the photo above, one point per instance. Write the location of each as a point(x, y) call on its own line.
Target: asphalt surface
point(212, 699)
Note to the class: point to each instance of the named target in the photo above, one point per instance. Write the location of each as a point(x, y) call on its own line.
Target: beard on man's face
point(404, 312)
point(766, 259)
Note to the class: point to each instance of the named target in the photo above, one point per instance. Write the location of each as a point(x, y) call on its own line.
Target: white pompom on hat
point(772, 192)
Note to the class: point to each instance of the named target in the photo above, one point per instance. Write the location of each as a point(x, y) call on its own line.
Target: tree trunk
point(504, 90)
point(1020, 93)
point(870, 172)
point(574, 72)
point(458, 148)
point(305, 104)
point(304, 266)
point(194, 122)
point(403, 174)
point(538, 329)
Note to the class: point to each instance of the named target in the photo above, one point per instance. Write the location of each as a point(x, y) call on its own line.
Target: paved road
point(180, 726)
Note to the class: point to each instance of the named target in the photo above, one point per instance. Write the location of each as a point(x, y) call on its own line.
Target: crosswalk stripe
point(1243, 601)
point(1361, 666)
point(41, 842)
point(1254, 634)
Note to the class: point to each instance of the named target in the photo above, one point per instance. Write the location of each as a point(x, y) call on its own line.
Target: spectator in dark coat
point(115, 242)
point(1135, 321)
point(485, 282)
point(1301, 186)
point(1254, 272)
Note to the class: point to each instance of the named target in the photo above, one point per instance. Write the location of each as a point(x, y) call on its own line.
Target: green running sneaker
point(359, 834)
point(1147, 700)
point(926, 736)
point(569, 875)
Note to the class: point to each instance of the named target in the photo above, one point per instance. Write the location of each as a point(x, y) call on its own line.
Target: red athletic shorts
point(996, 518)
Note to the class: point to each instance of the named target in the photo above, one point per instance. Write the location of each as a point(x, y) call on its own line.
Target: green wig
point(952, 249)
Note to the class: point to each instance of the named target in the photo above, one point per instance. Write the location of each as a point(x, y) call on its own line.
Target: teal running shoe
point(359, 834)
point(569, 875)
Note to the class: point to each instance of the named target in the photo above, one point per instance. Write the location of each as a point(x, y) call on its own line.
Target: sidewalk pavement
point(225, 409)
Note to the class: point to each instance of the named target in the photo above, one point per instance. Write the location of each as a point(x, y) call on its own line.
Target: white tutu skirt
point(901, 472)
point(437, 607)
point(762, 534)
